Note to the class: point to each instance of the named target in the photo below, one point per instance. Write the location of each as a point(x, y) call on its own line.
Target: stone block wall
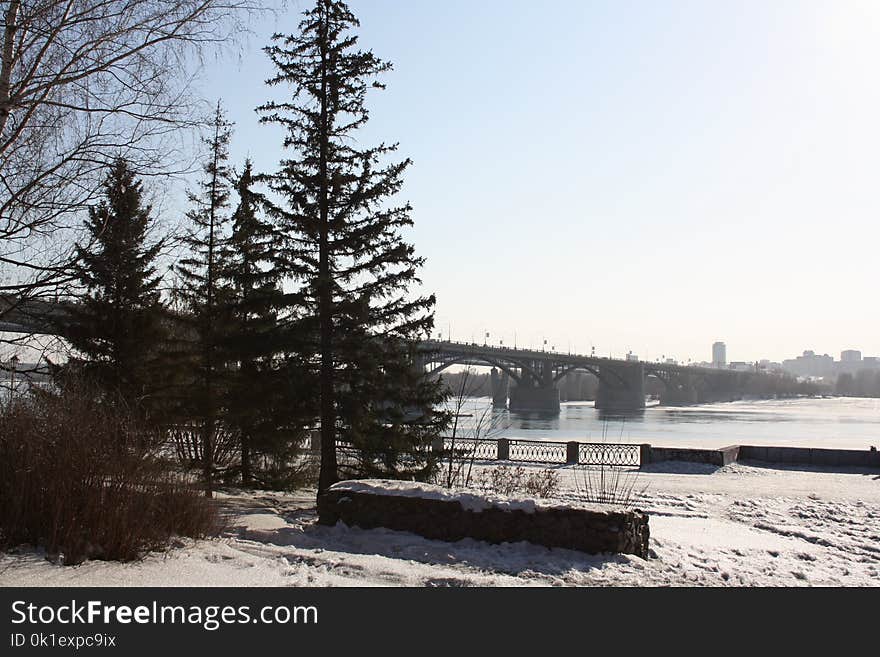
point(592, 530)
point(777, 455)
point(812, 456)
point(717, 457)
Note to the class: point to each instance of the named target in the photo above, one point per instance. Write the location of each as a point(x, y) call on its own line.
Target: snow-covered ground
point(734, 526)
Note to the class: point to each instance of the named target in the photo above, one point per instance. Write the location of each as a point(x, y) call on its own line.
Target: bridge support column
point(500, 385)
point(623, 390)
point(530, 395)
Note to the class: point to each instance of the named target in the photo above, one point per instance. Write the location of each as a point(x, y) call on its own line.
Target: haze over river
point(842, 422)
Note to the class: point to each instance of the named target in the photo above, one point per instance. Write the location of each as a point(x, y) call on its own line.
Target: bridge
point(525, 379)
point(522, 379)
point(31, 316)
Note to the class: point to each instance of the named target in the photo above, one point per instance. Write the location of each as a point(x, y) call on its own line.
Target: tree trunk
point(328, 475)
point(208, 457)
point(9, 32)
point(211, 331)
point(245, 460)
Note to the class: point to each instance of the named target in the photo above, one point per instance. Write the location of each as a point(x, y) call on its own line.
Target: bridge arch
point(509, 368)
point(574, 368)
point(665, 378)
point(599, 372)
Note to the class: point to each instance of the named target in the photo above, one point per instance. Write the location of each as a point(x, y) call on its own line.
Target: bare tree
point(81, 83)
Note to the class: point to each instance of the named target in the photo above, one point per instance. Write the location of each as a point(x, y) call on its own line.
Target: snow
point(741, 525)
point(469, 500)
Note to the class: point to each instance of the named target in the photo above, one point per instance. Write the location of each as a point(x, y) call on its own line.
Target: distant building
point(810, 364)
point(719, 355)
point(631, 356)
point(850, 361)
point(850, 356)
point(739, 366)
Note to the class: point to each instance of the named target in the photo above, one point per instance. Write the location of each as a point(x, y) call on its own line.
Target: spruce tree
point(345, 249)
point(204, 294)
point(267, 401)
point(117, 324)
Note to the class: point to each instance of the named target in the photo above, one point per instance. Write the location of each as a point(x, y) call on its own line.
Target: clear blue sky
point(631, 175)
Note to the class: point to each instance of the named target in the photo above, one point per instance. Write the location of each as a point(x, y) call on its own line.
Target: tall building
point(719, 355)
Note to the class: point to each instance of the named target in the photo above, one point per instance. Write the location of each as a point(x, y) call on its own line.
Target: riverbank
point(740, 525)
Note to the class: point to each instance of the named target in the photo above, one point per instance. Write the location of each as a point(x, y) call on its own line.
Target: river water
point(842, 422)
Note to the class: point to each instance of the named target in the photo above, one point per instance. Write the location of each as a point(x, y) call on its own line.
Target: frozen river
point(848, 423)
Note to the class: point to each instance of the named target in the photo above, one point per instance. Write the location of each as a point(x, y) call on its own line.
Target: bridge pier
point(539, 396)
point(623, 390)
point(500, 385)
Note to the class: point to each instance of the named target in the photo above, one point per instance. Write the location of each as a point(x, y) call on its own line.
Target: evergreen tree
point(267, 401)
point(204, 295)
point(117, 326)
point(345, 248)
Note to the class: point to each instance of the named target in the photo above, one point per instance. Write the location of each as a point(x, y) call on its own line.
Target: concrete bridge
point(525, 379)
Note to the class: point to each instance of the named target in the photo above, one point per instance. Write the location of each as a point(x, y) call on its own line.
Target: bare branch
point(81, 83)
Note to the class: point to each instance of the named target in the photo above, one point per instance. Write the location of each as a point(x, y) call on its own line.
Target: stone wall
point(777, 455)
point(717, 457)
point(592, 530)
point(812, 456)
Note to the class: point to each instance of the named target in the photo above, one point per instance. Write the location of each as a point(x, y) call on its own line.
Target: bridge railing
point(541, 452)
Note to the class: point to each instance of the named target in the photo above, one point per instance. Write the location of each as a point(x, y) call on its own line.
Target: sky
point(627, 175)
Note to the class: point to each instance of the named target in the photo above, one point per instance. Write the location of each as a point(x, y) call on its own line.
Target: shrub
point(282, 463)
point(85, 480)
point(506, 480)
point(189, 449)
point(297, 468)
point(608, 485)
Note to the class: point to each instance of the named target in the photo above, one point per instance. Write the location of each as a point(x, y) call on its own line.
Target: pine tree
point(346, 250)
point(205, 296)
point(117, 326)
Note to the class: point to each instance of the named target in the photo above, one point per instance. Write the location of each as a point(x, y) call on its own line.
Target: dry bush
point(85, 480)
point(506, 480)
point(297, 470)
point(285, 464)
point(608, 485)
point(188, 447)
